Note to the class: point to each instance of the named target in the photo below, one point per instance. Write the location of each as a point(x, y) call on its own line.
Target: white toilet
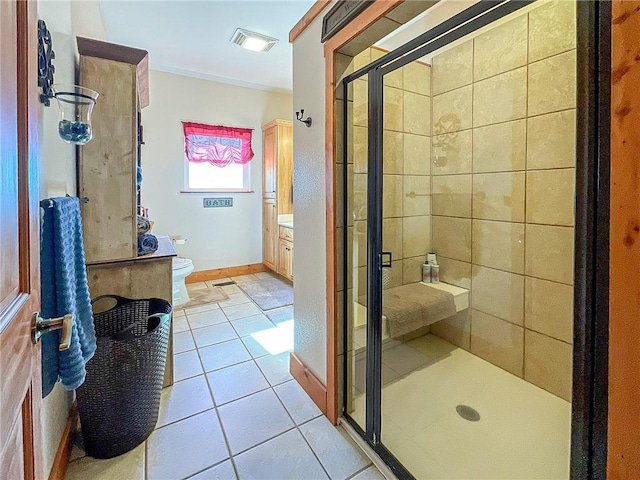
point(182, 267)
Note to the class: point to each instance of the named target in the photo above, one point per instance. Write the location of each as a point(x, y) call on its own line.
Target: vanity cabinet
point(277, 187)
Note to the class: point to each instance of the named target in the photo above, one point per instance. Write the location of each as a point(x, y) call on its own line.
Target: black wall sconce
point(74, 102)
point(300, 116)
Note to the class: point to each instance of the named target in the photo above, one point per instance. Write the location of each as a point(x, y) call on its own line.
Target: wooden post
point(624, 308)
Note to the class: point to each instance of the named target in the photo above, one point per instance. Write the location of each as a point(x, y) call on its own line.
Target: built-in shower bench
point(408, 308)
point(460, 300)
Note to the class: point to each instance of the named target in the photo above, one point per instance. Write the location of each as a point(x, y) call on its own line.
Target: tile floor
point(523, 432)
point(234, 411)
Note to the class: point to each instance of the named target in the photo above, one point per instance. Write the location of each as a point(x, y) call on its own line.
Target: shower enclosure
point(463, 143)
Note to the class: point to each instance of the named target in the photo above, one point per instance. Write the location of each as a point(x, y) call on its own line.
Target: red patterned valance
point(216, 144)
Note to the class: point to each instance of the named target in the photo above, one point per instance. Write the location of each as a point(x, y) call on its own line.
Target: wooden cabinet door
point(20, 360)
point(107, 165)
point(269, 233)
point(269, 166)
point(284, 257)
point(290, 261)
point(285, 169)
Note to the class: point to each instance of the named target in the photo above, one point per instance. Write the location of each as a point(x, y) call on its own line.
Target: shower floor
point(523, 431)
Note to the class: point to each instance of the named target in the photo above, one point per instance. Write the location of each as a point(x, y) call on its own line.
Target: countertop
point(165, 249)
point(285, 220)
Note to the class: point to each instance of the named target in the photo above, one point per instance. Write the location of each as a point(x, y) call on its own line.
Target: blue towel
point(147, 243)
point(65, 290)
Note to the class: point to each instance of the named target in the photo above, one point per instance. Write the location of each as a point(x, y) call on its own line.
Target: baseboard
point(216, 273)
point(61, 462)
point(309, 382)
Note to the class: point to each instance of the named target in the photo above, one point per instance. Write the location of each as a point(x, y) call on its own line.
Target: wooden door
point(269, 233)
point(269, 166)
point(20, 374)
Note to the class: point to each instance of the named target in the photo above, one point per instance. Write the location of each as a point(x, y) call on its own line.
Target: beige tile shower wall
point(406, 201)
point(503, 185)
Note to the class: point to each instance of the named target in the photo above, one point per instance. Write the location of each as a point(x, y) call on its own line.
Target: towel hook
point(82, 199)
point(48, 203)
point(300, 118)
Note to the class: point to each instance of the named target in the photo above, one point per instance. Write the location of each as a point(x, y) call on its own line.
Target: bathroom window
point(217, 158)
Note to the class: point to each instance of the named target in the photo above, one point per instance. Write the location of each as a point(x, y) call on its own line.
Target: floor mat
point(269, 293)
point(201, 296)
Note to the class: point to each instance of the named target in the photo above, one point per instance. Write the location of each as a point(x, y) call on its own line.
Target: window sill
point(217, 191)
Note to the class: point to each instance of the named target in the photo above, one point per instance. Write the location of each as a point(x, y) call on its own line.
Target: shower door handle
point(388, 257)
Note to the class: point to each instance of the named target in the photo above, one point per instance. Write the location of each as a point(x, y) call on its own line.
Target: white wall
point(309, 261)
point(86, 19)
point(57, 171)
point(217, 237)
point(57, 159)
point(57, 178)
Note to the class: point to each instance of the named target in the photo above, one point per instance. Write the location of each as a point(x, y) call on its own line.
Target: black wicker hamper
point(119, 400)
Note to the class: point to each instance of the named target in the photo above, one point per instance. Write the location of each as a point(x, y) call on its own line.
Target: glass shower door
point(405, 163)
point(469, 155)
point(460, 166)
point(356, 191)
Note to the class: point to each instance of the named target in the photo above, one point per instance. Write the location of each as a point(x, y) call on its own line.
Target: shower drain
point(468, 413)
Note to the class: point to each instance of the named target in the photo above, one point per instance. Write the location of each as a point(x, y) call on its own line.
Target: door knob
point(40, 326)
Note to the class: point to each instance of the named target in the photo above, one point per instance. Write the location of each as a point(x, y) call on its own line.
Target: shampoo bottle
point(426, 272)
point(435, 273)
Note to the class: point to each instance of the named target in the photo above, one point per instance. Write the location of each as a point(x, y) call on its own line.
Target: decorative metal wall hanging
point(45, 65)
point(300, 118)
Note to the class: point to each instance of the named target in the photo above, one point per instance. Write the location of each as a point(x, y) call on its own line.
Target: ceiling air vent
point(253, 41)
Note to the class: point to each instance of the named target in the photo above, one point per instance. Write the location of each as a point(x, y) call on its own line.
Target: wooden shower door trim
point(623, 459)
point(367, 18)
point(308, 18)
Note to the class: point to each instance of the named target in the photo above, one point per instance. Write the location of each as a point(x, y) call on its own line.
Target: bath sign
point(217, 202)
point(341, 14)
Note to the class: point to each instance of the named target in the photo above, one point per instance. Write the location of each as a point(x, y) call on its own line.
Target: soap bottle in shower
point(426, 272)
point(435, 273)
